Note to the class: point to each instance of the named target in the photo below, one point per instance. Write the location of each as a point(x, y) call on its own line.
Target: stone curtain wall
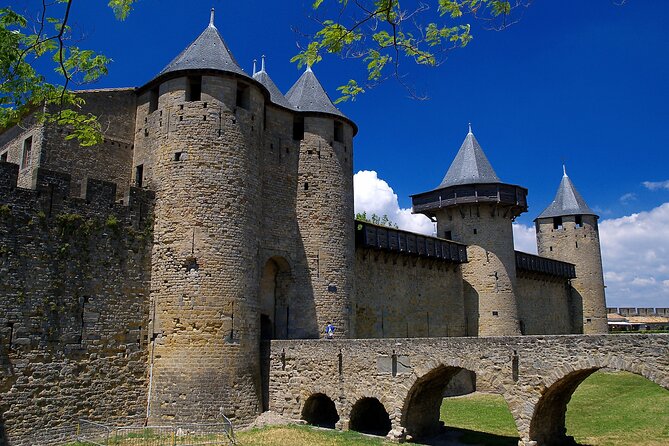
point(544, 304)
point(74, 280)
point(526, 370)
point(406, 296)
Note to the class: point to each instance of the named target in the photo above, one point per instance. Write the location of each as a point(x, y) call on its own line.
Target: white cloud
point(655, 185)
point(635, 254)
point(524, 238)
point(374, 196)
point(627, 198)
point(635, 248)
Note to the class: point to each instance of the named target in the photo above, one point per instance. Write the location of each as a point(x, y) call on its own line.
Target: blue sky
point(583, 83)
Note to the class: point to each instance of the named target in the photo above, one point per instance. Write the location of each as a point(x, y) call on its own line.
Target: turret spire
point(470, 165)
point(567, 200)
point(254, 66)
point(211, 18)
point(470, 127)
point(262, 64)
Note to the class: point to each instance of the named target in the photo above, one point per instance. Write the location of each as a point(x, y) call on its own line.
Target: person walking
point(329, 330)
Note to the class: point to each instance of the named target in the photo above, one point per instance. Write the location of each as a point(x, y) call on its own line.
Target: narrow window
point(495, 313)
point(194, 91)
point(179, 156)
point(27, 152)
point(153, 100)
point(557, 222)
point(139, 175)
point(3, 157)
point(243, 96)
point(306, 186)
point(298, 128)
point(475, 231)
point(338, 131)
point(579, 221)
point(448, 235)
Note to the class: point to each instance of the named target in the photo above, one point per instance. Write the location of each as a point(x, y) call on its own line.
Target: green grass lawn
point(607, 409)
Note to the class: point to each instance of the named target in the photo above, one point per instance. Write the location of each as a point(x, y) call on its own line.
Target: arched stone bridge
point(536, 375)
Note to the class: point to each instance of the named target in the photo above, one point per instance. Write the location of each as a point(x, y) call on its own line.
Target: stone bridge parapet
point(536, 375)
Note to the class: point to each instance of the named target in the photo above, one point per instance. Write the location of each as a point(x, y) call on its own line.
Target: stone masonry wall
point(205, 281)
point(579, 245)
point(110, 160)
point(405, 296)
point(295, 310)
point(490, 274)
point(74, 281)
point(324, 210)
point(12, 143)
point(544, 305)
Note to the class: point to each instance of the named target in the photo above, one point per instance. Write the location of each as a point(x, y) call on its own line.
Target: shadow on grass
point(454, 436)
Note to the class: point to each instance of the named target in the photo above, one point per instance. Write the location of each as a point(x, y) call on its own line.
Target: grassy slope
point(619, 409)
point(304, 436)
point(607, 409)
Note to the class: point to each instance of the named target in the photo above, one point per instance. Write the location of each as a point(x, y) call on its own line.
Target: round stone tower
point(325, 201)
point(472, 206)
point(567, 230)
point(199, 129)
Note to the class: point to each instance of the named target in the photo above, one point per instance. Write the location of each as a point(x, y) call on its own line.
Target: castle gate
point(536, 375)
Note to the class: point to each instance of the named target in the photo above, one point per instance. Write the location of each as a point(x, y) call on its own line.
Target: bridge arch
point(369, 416)
point(421, 409)
point(319, 410)
point(547, 425)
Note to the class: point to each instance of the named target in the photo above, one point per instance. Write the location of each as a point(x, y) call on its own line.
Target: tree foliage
point(375, 219)
point(384, 33)
point(47, 40)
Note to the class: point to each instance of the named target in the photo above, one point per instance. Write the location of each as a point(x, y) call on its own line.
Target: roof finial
point(254, 66)
point(262, 64)
point(564, 170)
point(470, 127)
point(211, 18)
point(309, 68)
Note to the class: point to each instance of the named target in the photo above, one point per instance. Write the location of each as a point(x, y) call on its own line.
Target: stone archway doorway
point(274, 308)
point(275, 287)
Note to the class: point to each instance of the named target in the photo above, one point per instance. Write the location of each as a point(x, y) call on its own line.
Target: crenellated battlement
point(50, 196)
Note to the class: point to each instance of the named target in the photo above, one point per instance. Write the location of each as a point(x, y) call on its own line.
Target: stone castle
point(142, 277)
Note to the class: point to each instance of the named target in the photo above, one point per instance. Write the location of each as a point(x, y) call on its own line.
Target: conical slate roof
point(308, 95)
point(567, 201)
point(274, 93)
point(207, 52)
point(470, 166)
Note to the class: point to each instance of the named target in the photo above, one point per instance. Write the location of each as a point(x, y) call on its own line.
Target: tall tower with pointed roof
point(567, 230)
point(472, 206)
point(325, 199)
point(198, 133)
